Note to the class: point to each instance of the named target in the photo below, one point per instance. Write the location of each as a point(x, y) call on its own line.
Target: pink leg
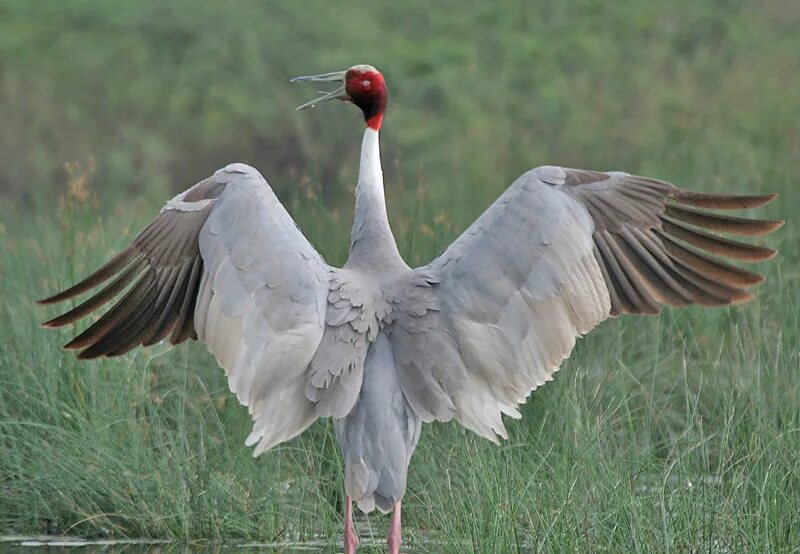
point(395, 531)
point(350, 537)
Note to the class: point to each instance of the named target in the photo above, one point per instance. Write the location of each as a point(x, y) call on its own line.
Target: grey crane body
point(376, 428)
point(379, 435)
point(380, 347)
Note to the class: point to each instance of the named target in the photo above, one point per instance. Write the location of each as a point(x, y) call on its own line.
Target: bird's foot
point(350, 542)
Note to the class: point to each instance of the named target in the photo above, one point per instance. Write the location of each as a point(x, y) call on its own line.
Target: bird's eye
point(366, 84)
point(350, 73)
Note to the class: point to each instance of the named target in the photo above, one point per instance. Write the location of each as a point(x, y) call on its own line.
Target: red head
point(366, 89)
point(363, 85)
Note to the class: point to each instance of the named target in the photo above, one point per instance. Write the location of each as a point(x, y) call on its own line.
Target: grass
point(677, 433)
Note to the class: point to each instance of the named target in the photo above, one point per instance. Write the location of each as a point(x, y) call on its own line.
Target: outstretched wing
point(224, 263)
point(560, 251)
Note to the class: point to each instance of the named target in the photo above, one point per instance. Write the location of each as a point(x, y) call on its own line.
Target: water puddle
point(24, 544)
point(29, 544)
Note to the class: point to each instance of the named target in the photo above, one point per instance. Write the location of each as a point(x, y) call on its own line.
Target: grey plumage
point(379, 435)
point(381, 347)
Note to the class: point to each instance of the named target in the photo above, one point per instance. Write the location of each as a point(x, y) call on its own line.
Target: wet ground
point(29, 545)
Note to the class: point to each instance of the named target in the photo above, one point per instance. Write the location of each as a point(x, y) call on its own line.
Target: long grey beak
point(337, 93)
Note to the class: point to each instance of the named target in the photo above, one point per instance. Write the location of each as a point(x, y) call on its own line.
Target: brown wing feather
point(161, 271)
point(654, 247)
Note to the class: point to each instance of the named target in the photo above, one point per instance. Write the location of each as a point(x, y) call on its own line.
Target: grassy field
point(677, 433)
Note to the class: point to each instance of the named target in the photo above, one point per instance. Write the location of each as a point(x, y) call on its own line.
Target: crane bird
point(381, 347)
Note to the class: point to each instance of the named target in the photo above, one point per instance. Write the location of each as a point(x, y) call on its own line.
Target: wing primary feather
point(170, 311)
point(717, 245)
point(646, 303)
point(161, 228)
point(722, 201)
point(600, 211)
point(711, 292)
point(629, 298)
point(647, 190)
point(723, 223)
point(182, 235)
point(661, 187)
point(143, 327)
point(699, 293)
point(114, 266)
point(113, 316)
point(645, 197)
point(139, 323)
point(184, 326)
point(711, 268)
point(611, 284)
point(144, 236)
point(658, 250)
point(653, 245)
point(136, 313)
point(102, 297)
point(659, 278)
point(620, 205)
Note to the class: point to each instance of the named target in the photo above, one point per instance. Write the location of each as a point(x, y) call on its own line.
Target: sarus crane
point(381, 347)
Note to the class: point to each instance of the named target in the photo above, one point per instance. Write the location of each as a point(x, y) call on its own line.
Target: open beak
point(335, 94)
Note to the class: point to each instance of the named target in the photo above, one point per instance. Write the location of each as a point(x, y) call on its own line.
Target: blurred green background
point(107, 109)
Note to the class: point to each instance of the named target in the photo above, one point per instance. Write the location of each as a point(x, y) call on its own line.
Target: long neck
point(372, 242)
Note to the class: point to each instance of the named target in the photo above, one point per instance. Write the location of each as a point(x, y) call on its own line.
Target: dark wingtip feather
point(769, 253)
point(654, 249)
point(58, 297)
point(62, 320)
point(717, 201)
point(85, 355)
point(71, 346)
point(709, 266)
point(723, 223)
point(716, 245)
point(97, 300)
point(114, 266)
point(743, 299)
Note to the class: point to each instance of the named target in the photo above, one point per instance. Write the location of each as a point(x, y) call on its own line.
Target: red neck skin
point(375, 121)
